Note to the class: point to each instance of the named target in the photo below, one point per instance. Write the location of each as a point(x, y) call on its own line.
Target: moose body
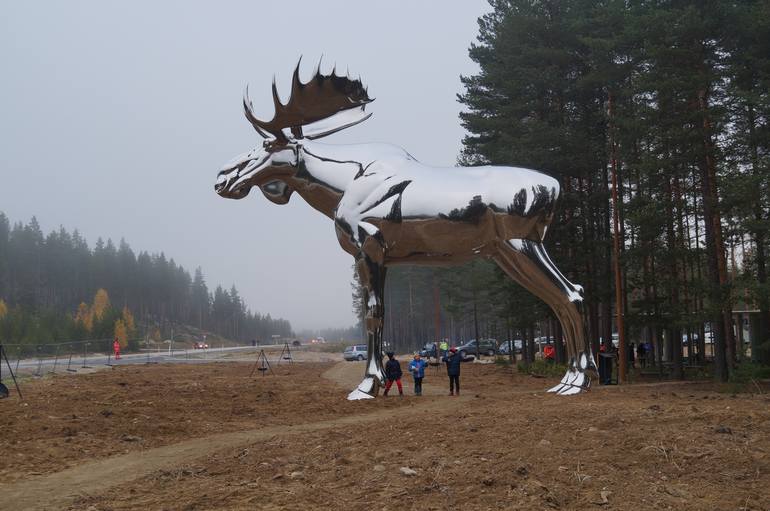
point(390, 209)
point(393, 194)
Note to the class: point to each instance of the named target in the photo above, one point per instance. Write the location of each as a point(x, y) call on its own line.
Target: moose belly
point(448, 241)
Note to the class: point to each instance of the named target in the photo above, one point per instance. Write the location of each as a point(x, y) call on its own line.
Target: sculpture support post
point(372, 277)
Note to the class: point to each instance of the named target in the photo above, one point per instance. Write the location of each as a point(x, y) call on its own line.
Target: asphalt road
point(90, 361)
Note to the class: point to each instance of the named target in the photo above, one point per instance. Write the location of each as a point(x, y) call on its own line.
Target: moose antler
point(320, 98)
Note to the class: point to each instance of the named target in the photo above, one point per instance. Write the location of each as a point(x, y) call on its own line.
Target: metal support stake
point(56, 358)
point(85, 354)
point(4, 355)
point(69, 362)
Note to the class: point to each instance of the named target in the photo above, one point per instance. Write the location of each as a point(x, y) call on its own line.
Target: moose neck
point(322, 175)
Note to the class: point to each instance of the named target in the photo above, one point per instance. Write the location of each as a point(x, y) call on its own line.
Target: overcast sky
point(115, 117)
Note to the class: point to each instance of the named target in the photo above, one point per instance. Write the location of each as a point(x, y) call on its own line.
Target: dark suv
point(486, 347)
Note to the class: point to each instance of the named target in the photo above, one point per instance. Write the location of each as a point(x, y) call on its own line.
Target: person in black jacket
point(453, 361)
point(393, 374)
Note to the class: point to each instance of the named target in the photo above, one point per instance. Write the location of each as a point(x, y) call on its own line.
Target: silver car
point(505, 347)
point(357, 352)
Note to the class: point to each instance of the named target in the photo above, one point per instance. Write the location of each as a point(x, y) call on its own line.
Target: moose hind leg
point(527, 263)
point(372, 277)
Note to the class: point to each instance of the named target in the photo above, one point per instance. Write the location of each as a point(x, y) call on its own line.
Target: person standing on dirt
point(417, 368)
point(453, 361)
point(641, 354)
point(393, 374)
point(116, 348)
point(549, 352)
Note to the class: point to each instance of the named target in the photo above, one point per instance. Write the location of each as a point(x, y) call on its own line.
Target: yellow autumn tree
point(3, 308)
point(128, 320)
point(85, 316)
point(120, 333)
point(156, 335)
point(101, 303)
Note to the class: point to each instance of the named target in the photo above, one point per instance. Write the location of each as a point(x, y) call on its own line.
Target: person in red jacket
point(116, 348)
point(549, 352)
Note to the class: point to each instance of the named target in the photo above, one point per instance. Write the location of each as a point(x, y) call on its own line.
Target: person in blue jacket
point(417, 367)
point(453, 361)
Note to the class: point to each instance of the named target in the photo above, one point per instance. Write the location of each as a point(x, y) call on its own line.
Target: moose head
point(324, 105)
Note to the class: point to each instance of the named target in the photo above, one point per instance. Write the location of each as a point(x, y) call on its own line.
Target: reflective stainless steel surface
point(388, 209)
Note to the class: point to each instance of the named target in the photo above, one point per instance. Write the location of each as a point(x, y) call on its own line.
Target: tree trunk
point(760, 342)
point(674, 331)
point(723, 356)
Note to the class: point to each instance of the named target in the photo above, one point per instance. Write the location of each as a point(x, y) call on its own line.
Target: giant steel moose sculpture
point(390, 209)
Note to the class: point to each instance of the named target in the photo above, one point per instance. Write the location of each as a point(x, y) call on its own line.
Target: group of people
point(452, 358)
point(644, 351)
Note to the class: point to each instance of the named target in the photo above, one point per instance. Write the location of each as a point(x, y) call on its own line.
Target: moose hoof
point(574, 382)
point(367, 389)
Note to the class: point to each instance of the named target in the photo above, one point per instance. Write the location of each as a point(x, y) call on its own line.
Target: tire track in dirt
point(57, 490)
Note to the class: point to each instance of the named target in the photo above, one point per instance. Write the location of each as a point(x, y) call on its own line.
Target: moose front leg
point(371, 273)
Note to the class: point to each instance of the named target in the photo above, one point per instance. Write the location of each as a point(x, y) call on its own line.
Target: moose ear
point(335, 123)
point(277, 191)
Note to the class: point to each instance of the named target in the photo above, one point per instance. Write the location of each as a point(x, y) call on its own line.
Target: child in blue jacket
point(417, 367)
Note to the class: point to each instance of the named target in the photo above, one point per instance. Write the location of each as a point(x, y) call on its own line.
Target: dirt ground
point(206, 436)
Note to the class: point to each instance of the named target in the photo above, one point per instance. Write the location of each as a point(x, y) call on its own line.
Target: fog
point(115, 117)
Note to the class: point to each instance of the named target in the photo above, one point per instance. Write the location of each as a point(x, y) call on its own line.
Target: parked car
point(200, 346)
point(486, 347)
point(428, 350)
point(542, 341)
point(356, 352)
point(505, 347)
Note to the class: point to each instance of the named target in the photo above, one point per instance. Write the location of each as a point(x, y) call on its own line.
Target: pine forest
point(54, 288)
point(670, 99)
